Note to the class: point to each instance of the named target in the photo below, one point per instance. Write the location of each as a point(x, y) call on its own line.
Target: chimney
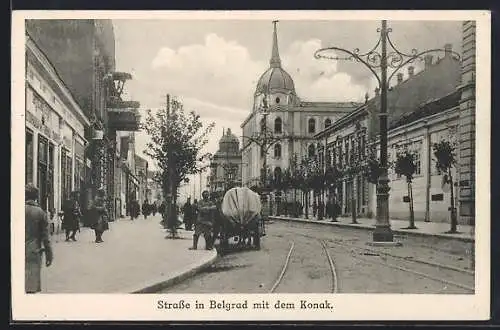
point(377, 91)
point(428, 61)
point(447, 50)
point(411, 71)
point(400, 78)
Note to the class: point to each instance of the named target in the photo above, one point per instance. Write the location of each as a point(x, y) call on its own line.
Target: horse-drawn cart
point(242, 219)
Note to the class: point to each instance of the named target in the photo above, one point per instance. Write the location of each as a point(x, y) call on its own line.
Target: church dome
point(275, 79)
point(228, 143)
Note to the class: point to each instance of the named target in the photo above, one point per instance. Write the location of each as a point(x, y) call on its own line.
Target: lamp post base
point(382, 234)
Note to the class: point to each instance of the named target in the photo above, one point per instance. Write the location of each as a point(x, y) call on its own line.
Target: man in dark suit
point(36, 236)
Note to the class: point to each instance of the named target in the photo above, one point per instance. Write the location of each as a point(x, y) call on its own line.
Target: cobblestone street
point(420, 265)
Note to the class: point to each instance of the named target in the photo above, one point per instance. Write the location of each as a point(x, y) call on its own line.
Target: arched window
point(311, 125)
point(328, 122)
point(277, 150)
point(311, 151)
point(262, 125)
point(277, 125)
point(277, 100)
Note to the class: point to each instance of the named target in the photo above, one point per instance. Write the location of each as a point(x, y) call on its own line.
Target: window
point(262, 125)
point(277, 100)
point(311, 151)
point(277, 125)
point(416, 148)
point(328, 157)
point(328, 122)
point(362, 144)
point(277, 150)
point(311, 125)
point(29, 157)
point(50, 177)
point(346, 146)
point(277, 174)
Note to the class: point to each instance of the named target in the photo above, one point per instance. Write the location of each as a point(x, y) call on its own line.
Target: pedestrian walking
point(187, 211)
point(204, 222)
point(99, 216)
point(36, 241)
point(145, 208)
point(71, 216)
point(321, 210)
point(135, 209)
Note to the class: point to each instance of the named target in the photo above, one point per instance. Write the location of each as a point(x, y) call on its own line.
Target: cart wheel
point(256, 239)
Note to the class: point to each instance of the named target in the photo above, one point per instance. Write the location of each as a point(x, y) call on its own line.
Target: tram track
point(285, 267)
point(442, 270)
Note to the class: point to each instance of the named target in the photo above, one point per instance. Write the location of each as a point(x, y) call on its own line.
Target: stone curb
point(369, 227)
point(167, 281)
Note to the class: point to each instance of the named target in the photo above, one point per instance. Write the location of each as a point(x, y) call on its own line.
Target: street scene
point(250, 156)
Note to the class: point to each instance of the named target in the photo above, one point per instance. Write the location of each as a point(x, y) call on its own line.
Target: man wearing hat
point(36, 240)
point(204, 221)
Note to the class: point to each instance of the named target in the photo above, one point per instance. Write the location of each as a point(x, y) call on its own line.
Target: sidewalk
point(135, 257)
point(436, 229)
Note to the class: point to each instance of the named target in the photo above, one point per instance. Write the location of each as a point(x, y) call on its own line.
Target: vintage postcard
point(247, 165)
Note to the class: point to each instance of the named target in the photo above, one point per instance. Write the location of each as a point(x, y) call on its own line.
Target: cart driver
point(204, 222)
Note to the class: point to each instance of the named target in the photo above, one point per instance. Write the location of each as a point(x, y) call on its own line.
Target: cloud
point(316, 79)
point(217, 79)
point(217, 71)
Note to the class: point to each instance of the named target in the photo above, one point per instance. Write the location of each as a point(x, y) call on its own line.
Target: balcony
point(124, 119)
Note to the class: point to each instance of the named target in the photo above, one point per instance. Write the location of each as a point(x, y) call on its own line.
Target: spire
point(275, 56)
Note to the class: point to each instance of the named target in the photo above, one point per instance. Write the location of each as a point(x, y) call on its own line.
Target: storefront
point(54, 133)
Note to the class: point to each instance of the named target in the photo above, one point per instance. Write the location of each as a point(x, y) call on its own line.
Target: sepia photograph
point(251, 165)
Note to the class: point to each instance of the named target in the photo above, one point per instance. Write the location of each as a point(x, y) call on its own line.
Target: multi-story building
point(226, 165)
point(423, 109)
point(83, 53)
point(141, 172)
point(55, 132)
point(154, 188)
point(467, 125)
point(290, 122)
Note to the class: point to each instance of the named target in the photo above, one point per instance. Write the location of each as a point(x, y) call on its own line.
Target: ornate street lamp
point(379, 60)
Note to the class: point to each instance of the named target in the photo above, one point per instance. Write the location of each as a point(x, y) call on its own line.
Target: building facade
point(154, 188)
point(226, 165)
point(467, 125)
point(141, 172)
point(423, 110)
point(289, 123)
point(83, 53)
point(55, 132)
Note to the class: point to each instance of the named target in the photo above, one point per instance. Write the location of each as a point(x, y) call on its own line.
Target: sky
point(213, 66)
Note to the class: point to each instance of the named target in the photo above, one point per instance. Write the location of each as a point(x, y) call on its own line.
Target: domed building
point(290, 122)
point(225, 167)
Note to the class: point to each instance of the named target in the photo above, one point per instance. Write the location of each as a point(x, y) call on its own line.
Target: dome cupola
point(275, 79)
point(228, 143)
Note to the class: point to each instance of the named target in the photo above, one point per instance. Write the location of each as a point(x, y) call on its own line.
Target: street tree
point(332, 181)
point(444, 151)
point(179, 135)
point(405, 165)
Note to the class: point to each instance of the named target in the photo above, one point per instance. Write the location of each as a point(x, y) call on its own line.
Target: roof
point(433, 83)
point(434, 107)
point(439, 81)
point(275, 79)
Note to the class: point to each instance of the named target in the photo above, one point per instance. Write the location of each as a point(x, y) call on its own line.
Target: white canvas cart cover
point(240, 205)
